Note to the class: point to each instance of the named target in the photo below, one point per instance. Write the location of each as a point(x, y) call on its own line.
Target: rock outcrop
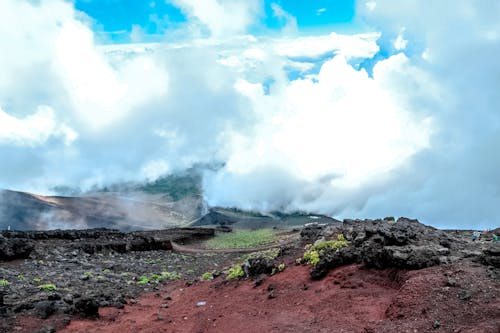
point(404, 244)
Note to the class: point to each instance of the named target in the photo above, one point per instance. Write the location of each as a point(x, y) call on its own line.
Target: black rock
point(257, 266)
point(45, 309)
point(87, 307)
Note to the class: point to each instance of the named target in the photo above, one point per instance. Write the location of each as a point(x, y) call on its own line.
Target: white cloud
point(362, 45)
point(288, 20)
point(320, 11)
point(33, 130)
point(452, 184)
point(400, 42)
point(415, 138)
point(323, 130)
point(371, 5)
point(222, 17)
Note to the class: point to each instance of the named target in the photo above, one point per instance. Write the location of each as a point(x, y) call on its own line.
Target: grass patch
point(241, 239)
point(47, 287)
point(235, 272)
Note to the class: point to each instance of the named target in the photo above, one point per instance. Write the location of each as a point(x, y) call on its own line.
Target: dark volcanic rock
point(258, 266)
point(45, 309)
point(311, 232)
point(87, 307)
point(216, 218)
point(405, 244)
point(21, 244)
point(14, 248)
point(491, 255)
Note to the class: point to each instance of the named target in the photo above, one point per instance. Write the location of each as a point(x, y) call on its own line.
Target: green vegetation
point(143, 280)
point(157, 278)
point(207, 276)
point(176, 186)
point(47, 287)
point(279, 269)
point(4, 282)
point(241, 239)
point(238, 211)
point(171, 276)
point(311, 257)
point(235, 272)
point(313, 253)
point(37, 280)
point(106, 271)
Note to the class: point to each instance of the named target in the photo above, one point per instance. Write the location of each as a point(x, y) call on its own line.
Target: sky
point(365, 108)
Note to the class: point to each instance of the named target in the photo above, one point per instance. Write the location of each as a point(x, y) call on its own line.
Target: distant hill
point(133, 211)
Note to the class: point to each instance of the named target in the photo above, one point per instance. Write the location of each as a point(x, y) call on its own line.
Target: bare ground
point(462, 298)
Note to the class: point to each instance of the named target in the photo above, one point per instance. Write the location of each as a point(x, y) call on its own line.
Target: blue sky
point(114, 19)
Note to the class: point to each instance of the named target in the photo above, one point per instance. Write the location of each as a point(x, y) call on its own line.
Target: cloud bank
point(401, 120)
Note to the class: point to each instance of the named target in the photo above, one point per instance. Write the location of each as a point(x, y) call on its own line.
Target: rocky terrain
point(350, 276)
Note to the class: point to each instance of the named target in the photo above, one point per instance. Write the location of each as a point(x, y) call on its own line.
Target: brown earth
point(458, 298)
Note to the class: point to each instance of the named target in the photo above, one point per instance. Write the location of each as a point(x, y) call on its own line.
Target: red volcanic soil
point(459, 298)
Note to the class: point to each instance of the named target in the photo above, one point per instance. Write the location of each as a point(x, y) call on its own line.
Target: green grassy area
point(177, 186)
point(241, 239)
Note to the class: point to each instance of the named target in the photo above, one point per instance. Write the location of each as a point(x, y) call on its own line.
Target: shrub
point(313, 253)
point(47, 287)
point(235, 272)
point(4, 282)
point(143, 280)
point(311, 257)
point(207, 276)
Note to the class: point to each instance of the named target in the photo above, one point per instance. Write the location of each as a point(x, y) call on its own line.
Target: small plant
point(235, 272)
point(171, 276)
point(21, 277)
point(106, 271)
point(207, 276)
point(311, 257)
point(143, 280)
point(313, 253)
point(281, 267)
point(156, 278)
point(47, 287)
point(190, 271)
point(4, 282)
point(37, 280)
point(125, 274)
point(88, 274)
